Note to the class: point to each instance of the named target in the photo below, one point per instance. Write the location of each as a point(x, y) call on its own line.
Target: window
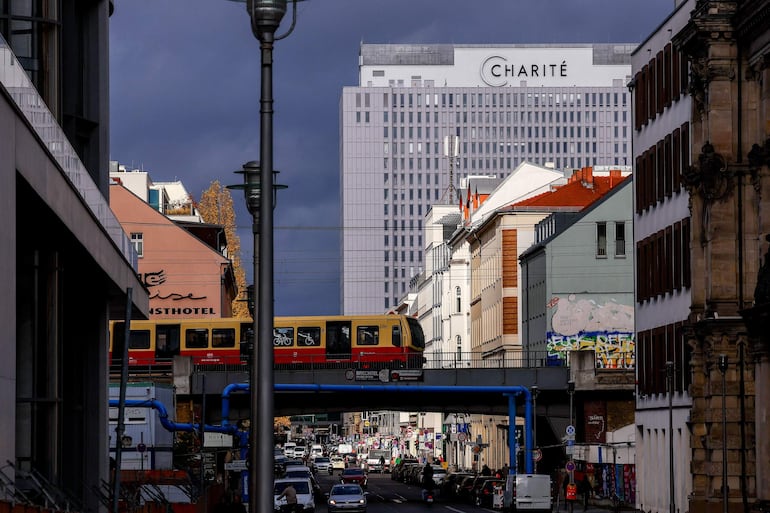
point(459, 347)
point(139, 339)
point(197, 338)
point(283, 337)
point(458, 300)
point(396, 340)
point(223, 337)
point(601, 239)
point(308, 336)
point(368, 335)
point(137, 239)
point(620, 239)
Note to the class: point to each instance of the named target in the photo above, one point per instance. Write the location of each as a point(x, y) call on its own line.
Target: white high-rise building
point(424, 113)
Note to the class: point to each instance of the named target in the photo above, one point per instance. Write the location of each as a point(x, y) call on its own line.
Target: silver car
point(346, 497)
point(322, 464)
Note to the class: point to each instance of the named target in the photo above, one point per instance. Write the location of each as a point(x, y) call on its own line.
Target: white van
point(316, 450)
point(533, 492)
point(288, 449)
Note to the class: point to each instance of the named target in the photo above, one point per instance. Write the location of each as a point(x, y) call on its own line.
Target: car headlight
point(332, 502)
point(362, 501)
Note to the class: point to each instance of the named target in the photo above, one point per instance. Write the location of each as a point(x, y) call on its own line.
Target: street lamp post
point(534, 390)
point(252, 181)
point(266, 16)
point(670, 387)
point(725, 488)
point(571, 392)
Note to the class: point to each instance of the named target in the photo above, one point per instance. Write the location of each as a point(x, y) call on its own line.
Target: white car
point(305, 495)
point(338, 463)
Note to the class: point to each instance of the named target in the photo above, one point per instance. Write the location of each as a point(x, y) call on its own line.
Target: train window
point(397, 336)
point(167, 340)
point(368, 335)
point(196, 338)
point(307, 336)
point(223, 337)
point(139, 339)
point(283, 337)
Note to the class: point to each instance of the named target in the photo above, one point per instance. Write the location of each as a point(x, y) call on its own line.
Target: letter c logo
point(492, 71)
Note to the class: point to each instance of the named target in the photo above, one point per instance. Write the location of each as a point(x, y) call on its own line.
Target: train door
point(167, 341)
point(338, 344)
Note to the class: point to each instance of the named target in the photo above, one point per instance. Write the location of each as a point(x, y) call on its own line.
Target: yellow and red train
point(321, 341)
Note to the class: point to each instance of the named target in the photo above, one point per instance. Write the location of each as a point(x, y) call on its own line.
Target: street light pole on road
point(266, 16)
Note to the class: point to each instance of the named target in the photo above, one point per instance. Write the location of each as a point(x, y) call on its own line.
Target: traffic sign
point(461, 437)
point(537, 455)
point(570, 466)
point(571, 430)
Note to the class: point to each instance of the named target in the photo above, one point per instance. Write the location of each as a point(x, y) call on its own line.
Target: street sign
point(236, 465)
point(537, 455)
point(570, 466)
point(461, 437)
point(570, 430)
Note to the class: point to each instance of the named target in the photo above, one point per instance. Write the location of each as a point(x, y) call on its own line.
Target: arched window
point(458, 300)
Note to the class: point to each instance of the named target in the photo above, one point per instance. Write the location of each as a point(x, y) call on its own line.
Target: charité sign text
point(496, 70)
point(189, 303)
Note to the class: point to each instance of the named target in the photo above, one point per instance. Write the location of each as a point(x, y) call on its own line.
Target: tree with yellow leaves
point(216, 207)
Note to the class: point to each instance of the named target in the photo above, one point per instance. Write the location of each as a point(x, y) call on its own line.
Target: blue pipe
point(511, 391)
point(234, 387)
point(170, 425)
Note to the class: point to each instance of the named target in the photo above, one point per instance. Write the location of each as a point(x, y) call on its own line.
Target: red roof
point(582, 189)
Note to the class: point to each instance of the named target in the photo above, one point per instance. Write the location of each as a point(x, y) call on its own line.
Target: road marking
point(453, 509)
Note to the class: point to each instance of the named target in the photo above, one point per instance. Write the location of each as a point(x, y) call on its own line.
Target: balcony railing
point(15, 80)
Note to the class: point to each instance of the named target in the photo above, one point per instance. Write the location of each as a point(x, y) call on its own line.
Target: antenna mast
point(451, 151)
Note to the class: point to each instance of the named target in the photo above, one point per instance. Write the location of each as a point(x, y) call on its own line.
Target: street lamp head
point(251, 185)
point(266, 15)
point(722, 363)
point(252, 188)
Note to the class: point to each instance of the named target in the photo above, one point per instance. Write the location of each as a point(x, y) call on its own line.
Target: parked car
point(464, 487)
point(482, 496)
point(354, 475)
point(347, 497)
point(397, 471)
point(305, 496)
point(449, 486)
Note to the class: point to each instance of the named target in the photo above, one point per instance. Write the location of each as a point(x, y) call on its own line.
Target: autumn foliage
point(216, 207)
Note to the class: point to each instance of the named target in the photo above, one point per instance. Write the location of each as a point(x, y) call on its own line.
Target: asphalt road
point(388, 496)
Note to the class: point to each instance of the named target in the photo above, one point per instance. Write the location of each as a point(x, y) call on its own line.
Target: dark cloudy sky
point(185, 91)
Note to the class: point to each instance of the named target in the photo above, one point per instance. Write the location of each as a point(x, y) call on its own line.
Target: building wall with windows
point(65, 264)
point(662, 240)
point(564, 104)
point(577, 284)
point(185, 277)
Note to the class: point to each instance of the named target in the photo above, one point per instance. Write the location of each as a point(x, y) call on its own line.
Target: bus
point(386, 340)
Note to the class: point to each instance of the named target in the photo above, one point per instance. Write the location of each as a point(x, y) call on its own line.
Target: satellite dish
point(126, 441)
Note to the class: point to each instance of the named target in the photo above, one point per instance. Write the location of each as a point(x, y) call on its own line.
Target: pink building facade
point(185, 276)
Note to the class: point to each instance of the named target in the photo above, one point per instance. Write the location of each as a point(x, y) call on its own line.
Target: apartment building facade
point(423, 116)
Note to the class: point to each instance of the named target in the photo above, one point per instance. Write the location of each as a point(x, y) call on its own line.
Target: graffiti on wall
point(584, 324)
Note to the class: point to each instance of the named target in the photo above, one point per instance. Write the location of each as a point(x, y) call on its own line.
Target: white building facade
point(505, 104)
point(661, 147)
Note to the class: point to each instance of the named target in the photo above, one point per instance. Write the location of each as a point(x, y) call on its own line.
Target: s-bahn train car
point(336, 341)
